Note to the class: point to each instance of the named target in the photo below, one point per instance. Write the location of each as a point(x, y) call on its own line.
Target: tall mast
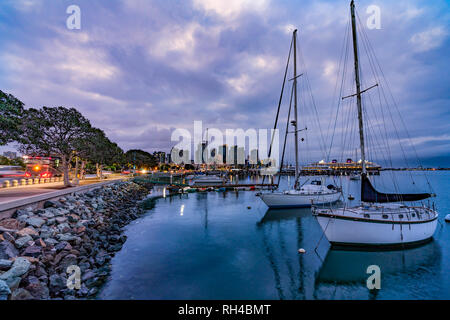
point(295, 110)
point(358, 89)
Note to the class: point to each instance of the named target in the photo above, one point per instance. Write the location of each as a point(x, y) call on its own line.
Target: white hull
point(348, 227)
point(286, 200)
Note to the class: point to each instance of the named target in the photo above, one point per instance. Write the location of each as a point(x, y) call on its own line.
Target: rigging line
point(309, 89)
point(344, 71)
point(280, 100)
point(382, 134)
point(285, 135)
point(341, 60)
point(386, 140)
point(402, 121)
point(370, 55)
point(281, 95)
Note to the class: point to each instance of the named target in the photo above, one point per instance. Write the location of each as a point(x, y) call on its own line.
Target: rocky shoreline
point(84, 230)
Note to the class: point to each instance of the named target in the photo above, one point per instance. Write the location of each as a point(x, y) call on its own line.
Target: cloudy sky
point(140, 68)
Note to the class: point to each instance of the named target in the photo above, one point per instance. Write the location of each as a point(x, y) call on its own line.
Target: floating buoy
point(350, 197)
point(447, 218)
point(301, 250)
point(249, 208)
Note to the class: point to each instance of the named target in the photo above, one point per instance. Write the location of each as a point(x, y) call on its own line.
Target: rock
point(68, 260)
point(61, 219)
point(56, 283)
point(7, 250)
point(4, 290)
point(47, 214)
point(19, 268)
point(50, 242)
point(30, 231)
point(11, 224)
point(5, 264)
point(38, 290)
point(65, 237)
point(22, 241)
point(49, 204)
point(9, 237)
point(32, 251)
point(35, 222)
point(13, 282)
point(61, 246)
point(21, 294)
point(63, 227)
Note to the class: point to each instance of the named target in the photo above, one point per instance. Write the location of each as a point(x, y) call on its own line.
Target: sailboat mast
point(295, 110)
point(358, 89)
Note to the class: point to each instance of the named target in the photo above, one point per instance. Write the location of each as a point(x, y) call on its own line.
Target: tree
point(140, 159)
point(53, 132)
point(102, 151)
point(11, 110)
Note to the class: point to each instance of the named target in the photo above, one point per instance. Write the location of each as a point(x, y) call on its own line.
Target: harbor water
point(228, 245)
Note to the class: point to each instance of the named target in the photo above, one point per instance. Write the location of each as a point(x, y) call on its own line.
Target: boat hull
point(282, 200)
point(353, 232)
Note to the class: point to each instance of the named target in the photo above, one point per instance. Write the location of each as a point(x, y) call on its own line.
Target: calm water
point(229, 246)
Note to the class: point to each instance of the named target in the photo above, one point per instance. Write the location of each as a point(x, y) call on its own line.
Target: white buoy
point(301, 250)
point(447, 218)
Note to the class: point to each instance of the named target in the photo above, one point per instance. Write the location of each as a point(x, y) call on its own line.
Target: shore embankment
point(37, 246)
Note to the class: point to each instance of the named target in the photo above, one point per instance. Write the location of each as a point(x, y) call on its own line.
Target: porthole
point(413, 215)
point(385, 216)
point(400, 216)
point(366, 215)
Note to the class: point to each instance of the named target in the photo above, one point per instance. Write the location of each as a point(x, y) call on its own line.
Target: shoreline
point(85, 230)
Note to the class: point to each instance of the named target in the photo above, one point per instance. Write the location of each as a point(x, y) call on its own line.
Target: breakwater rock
point(37, 247)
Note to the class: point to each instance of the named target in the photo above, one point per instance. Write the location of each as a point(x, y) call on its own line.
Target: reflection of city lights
point(164, 192)
point(182, 210)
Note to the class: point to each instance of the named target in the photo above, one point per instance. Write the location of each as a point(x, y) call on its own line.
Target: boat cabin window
point(385, 216)
point(316, 183)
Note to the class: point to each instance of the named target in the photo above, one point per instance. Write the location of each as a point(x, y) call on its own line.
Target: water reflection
point(283, 232)
point(343, 273)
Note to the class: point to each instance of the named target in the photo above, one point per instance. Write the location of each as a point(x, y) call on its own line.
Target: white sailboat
point(308, 194)
point(382, 219)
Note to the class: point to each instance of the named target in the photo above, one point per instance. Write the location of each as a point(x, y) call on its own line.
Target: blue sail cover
point(369, 194)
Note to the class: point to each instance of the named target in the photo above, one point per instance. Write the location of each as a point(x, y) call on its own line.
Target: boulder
point(21, 294)
point(5, 264)
point(7, 250)
point(32, 251)
point(57, 283)
point(49, 204)
point(22, 241)
point(20, 267)
point(4, 290)
point(35, 222)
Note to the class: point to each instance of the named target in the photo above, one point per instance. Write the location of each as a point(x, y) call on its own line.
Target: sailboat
point(306, 195)
point(382, 219)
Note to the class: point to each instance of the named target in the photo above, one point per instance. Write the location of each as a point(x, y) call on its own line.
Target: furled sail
point(369, 194)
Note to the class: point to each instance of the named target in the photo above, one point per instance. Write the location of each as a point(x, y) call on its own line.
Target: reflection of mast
point(301, 287)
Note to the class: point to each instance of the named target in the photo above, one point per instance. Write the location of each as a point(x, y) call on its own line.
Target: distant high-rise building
point(160, 156)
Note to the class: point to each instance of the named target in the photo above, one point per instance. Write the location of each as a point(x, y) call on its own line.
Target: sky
point(138, 69)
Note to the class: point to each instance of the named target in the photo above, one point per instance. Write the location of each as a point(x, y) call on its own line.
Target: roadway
point(16, 193)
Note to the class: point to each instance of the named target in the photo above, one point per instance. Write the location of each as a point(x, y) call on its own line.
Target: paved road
point(11, 194)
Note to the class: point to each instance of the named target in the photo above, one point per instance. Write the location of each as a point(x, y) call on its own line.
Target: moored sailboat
point(382, 219)
point(308, 194)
